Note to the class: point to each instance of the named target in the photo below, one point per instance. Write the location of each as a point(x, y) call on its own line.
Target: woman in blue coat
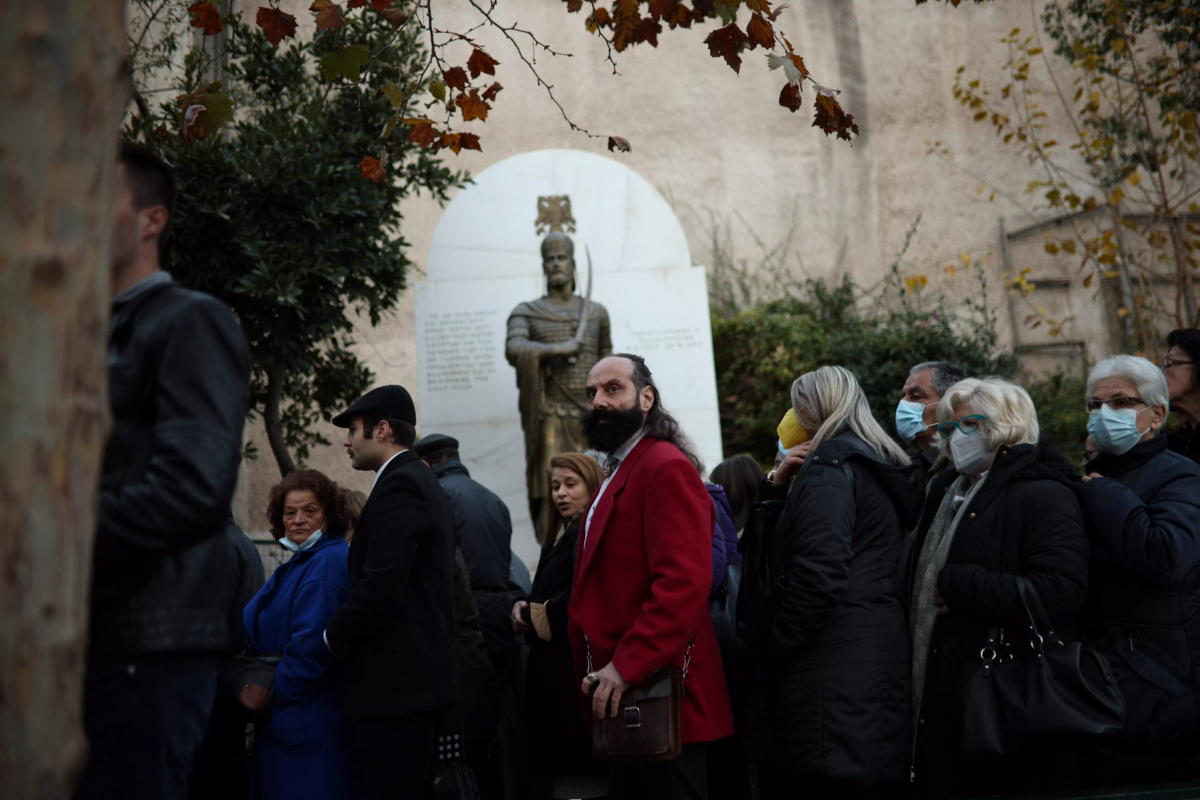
point(301, 750)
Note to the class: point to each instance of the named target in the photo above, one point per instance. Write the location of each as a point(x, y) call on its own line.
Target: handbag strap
point(687, 655)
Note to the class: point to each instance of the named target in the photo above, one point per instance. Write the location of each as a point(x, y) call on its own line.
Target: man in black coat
point(164, 577)
point(483, 533)
point(395, 631)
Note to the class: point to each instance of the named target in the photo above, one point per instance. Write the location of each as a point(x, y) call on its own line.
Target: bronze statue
point(553, 342)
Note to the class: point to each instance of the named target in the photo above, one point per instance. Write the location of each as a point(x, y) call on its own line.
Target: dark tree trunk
point(283, 459)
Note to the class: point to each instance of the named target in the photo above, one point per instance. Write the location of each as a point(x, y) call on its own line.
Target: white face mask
point(970, 453)
point(307, 544)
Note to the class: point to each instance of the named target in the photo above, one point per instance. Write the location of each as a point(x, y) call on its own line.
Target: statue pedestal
point(484, 260)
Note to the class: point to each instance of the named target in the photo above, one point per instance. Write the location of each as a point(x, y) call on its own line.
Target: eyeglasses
point(969, 425)
point(1115, 403)
point(1167, 363)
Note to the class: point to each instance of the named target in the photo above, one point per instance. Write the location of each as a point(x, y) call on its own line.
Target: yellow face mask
point(791, 432)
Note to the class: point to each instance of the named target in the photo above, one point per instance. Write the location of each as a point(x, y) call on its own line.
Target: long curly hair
point(337, 517)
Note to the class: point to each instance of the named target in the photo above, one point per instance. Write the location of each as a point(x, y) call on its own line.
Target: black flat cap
point(388, 401)
point(434, 442)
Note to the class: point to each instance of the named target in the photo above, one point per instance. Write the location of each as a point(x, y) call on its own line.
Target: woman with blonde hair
point(1001, 517)
point(837, 652)
point(560, 761)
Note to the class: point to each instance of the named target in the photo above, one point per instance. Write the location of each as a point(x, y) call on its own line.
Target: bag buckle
point(632, 716)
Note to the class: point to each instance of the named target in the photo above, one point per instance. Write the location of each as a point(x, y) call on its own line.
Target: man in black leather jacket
point(164, 577)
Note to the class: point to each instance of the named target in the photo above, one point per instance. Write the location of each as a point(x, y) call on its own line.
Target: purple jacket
point(725, 549)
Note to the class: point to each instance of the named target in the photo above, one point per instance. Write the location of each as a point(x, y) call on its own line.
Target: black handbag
point(754, 605)
point(1031, 684)
point(722, 610)
point(250, 681)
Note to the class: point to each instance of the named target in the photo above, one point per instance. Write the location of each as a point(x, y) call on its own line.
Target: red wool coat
point(642, 580)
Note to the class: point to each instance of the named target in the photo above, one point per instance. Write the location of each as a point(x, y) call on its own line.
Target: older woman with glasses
point(1000, 515)
point(1142, 503)
point(1183, 383)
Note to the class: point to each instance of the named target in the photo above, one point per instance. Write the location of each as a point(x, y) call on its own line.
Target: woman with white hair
point(1001, 514)
point(1142, 503)
point(837, 660)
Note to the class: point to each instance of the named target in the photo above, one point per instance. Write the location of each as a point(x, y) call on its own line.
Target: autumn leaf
point(574, 5)
point(329, 15)
point(396, 16)
point(393, 93)
point(457, 141)
point(618, 143)
point(456, 78)
point(381, 5)
point(472, 106)
point(347, 62)
point(421, 131)
point(726, 43)
point(356, 4)
point(204, 111)
point(276, 25)
point(206, 17)
point(789, 97)
point(481, 62)
point(372, 169)
point(438, 90)
point(490, 93)
point(663, 9)
point(831, 118)
point(760, 32)
point(794, 72)
point(759, 6)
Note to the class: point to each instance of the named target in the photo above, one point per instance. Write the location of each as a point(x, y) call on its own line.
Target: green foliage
point(879, 335)
point(275, 219)
point(1059, 400)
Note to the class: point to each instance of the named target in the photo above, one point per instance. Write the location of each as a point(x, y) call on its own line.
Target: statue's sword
point(587, 299)
point(587, 306)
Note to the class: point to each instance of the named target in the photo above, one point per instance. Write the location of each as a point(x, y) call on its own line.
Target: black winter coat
point(1144, 605)
point(483, 533)
point(1185, 440)
point(396, 629)
point(838, 652)
point(164, 577)
point(1024, 520)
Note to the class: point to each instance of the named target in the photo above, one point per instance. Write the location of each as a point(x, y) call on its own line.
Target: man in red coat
point(643, 571)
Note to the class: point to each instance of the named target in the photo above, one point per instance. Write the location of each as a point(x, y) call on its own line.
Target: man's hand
point(791, 463)
point(609, 688)
point(1091, 475)
point(519, 625)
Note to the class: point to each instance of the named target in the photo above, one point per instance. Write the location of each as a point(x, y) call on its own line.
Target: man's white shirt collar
point(379, 471)
point(621, 453)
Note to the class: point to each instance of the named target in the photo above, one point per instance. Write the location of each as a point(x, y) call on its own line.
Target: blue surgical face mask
point(307, 544)
point(1115, 431)
point(910, 419)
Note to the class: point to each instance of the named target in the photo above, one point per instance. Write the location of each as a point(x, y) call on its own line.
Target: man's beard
point(607, 429)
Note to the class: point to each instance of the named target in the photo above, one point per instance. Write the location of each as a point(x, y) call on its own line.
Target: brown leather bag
point(647, 724)
point(646, 727)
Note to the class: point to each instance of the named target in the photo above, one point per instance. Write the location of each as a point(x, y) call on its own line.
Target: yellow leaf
point(1111, 273)
point(1068, 245)
point(1051, 248)
point(1118, 45)
point(1122, 312)
point(1087, 281)
point(965, 258)
point(951, 271)
point(1117, 195)
point(1134, 179)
